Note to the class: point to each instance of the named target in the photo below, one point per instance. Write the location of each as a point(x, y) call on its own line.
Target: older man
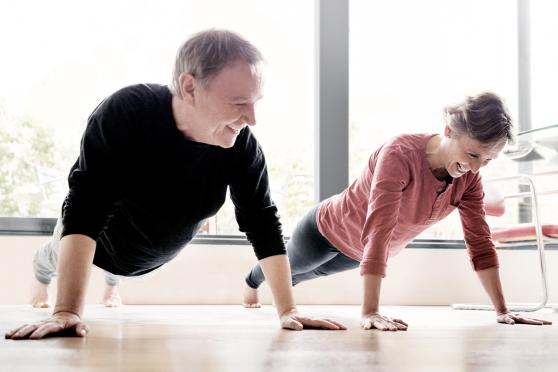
point(154, 163)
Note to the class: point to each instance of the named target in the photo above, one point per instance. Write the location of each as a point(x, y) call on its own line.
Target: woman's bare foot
point(39, 295)
point(111, 297)
point(251, 297)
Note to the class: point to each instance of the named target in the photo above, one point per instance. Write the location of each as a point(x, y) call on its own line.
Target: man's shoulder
point(139, 94)
point(134, 97)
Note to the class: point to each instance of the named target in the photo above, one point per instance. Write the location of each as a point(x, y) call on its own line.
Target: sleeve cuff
point(373, 267)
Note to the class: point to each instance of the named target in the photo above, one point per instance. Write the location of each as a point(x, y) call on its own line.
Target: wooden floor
point(231, 338)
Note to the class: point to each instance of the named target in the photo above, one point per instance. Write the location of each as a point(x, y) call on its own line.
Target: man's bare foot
point(39, 295)
point(251, 297)
point(111, 297)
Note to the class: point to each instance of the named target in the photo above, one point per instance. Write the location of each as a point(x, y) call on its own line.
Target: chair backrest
point(494, 204)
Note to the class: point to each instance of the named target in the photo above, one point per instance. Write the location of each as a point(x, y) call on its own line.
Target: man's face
point(227, 103)
point(465, 154)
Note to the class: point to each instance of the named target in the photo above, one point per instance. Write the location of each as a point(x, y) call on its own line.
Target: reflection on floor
point(231, 338)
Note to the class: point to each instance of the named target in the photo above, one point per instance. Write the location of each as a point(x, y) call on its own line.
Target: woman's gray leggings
point(46, 257)
point(310, 255)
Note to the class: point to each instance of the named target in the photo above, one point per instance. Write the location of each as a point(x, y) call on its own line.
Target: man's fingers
point(45, 329)
point(367, 324)
point(11, 332)
point(81, 329)
point(400, 326)
point(400, 322)
point(23, 331)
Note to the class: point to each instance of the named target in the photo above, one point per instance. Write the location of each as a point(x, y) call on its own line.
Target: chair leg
point(542, 263)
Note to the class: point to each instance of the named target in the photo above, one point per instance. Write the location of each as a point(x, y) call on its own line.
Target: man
point(154, 163)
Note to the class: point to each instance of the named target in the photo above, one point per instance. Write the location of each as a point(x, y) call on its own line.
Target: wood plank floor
point(231, 338)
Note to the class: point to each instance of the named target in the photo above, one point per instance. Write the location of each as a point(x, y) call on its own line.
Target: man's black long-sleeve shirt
point(141, 190)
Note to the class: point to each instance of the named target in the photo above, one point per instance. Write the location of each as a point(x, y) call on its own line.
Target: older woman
point(410, 183)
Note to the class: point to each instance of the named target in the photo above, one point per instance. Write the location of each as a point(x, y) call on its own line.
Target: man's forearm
point(74, 265)
point(490, 279)
point(277, 272)
point(371, 301)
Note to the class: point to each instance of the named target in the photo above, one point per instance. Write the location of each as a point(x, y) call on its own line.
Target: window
point(410, 59)
point(66, 56)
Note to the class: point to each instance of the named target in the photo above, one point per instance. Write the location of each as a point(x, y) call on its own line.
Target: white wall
point(204, 274)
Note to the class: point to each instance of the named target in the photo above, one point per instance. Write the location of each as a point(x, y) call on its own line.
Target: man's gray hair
point(206, 53)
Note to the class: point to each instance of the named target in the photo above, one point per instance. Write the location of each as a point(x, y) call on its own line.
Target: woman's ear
point(447, 131)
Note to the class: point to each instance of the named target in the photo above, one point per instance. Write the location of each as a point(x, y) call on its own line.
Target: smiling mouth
point(460, 169)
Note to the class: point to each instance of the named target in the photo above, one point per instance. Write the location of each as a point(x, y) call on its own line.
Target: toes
point(252, 305)
point(40, 305)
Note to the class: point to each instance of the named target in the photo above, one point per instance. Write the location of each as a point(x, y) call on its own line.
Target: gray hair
point(483, 117)
point(206, 53)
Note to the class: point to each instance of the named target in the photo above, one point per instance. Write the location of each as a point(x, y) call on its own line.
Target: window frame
point(331, 105)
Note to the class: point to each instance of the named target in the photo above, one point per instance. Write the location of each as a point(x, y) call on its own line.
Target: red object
point(523, 231)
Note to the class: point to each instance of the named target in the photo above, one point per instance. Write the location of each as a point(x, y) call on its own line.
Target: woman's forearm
point(490, 279)
point(371, 300)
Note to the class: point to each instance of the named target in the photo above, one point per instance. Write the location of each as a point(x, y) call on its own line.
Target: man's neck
point(184, 122)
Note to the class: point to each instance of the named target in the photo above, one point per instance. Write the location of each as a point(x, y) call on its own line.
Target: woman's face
point(464, 154)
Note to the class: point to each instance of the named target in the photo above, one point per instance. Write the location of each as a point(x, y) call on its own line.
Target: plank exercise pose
point(410, 183)
point(154, 163)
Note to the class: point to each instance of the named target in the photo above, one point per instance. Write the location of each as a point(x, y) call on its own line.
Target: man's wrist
point(58, 310)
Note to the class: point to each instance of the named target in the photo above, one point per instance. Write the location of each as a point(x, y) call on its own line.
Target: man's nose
point(250, 115)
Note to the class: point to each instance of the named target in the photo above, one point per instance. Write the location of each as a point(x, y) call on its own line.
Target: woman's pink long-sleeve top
point(395, 199)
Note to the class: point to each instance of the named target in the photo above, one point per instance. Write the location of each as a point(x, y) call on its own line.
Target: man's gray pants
point(46, 258)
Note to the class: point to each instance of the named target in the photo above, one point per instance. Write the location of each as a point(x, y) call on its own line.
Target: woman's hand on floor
point(59, 324)
point(509, 318)
point(293, 320)
point(383, 323)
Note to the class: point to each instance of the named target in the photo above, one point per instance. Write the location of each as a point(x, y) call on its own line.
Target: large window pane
point(409, 59)
point(544, 80)
point(61, 58)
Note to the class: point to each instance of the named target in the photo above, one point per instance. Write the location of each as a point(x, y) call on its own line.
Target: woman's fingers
point(383, 323)
point(317, 323)
point(510, 318)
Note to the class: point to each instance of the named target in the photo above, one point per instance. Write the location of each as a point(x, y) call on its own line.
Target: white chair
point(519, 235)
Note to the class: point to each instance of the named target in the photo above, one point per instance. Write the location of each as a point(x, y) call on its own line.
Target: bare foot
point(111, 297)
point(251, 297)
point(39, 295)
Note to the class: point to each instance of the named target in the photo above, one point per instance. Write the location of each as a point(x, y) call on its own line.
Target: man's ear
point(188, 87)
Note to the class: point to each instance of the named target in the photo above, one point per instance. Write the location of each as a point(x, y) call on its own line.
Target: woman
point(410, 183)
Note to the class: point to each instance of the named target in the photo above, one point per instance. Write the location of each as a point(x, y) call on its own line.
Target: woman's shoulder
point(406, 144)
